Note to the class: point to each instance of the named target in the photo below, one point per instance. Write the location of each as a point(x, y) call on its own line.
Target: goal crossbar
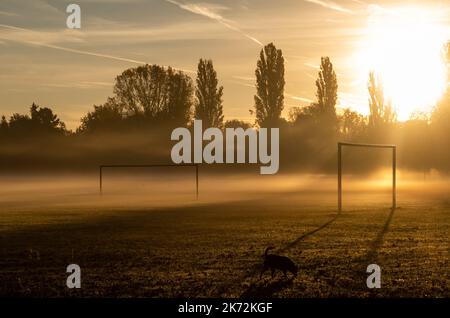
point(394, 168)
point(101, 167)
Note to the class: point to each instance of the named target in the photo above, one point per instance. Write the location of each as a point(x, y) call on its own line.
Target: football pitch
point(214, 248)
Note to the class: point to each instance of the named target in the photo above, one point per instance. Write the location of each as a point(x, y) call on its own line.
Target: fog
point(139, 188)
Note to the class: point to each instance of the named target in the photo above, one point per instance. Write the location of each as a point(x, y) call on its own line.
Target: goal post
point(394, 168)
point(102, 167)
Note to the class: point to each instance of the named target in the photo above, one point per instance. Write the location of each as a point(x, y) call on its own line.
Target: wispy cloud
point(299, 98)
point(81, 85)
point(210, 11)
point(330, 5)
point(244, 78)
point(8, 14)
point(314, 66)
point(30, 33)
point(245, 81)
point(245, 84)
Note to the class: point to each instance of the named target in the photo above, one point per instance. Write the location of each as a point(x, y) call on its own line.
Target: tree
point(236, 123)
point(441, 113)
point(20, 124)
point(45, 119)
point(178, 102)
point(269, 98)
point(4, 126)
point(327, 88)
point(42, 120)
point(381, 113)
point(353, 124)
point(155, 93)
point(142, 89)
point(208, 106)
point(104, 117)
point(440, 122)
point(306, 114)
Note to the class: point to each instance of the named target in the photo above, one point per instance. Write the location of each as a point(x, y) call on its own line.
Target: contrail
point(204, 11)
point(70, 50)
point(330, 5)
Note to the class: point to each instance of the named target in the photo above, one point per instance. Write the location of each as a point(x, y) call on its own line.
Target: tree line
point(153, 97)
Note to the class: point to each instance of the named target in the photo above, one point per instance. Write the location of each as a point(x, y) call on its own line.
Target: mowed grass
point(215, 250)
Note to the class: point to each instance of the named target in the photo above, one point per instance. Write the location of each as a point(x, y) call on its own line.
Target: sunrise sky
point(71, 70)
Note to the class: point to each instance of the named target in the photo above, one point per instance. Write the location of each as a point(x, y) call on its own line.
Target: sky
point(43, 61)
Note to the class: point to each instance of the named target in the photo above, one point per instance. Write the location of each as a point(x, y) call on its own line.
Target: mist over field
point(173, 186)
point(148, 236)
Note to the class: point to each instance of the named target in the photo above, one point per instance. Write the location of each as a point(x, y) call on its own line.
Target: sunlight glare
point(404, 47)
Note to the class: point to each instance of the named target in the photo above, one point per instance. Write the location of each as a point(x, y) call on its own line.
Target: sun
point(403, 46)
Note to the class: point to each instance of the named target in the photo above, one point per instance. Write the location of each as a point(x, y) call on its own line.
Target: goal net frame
point(102, 167)
point(394, 168)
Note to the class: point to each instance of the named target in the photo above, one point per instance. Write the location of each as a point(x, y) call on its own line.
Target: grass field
point(213, 248)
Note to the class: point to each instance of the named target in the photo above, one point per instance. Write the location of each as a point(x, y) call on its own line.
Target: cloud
point(245, 84)
point(120, 35)
point(210, 11)
point(244, 81)
point(314, 66)
point(80, 85)
point(244, 78)
point(8, 14)
point(330, 5)
point(299, 98)
point(13, 33)
point(29, 34)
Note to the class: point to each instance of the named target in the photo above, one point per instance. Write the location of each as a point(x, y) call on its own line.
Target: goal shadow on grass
point(375, 245)
point(307, 234)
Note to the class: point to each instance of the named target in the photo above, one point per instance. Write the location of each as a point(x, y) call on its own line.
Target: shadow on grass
point(266, 290)
point(376, 244)
point(255, 290)
point(371, 256)
point(307, 234)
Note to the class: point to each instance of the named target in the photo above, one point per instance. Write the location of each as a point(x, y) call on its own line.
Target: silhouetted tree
point(155, 93)
point(440, 120)
point(104, 117)
point(269, 98)
point(42, 120)
point(3, 126)
point(352, 124)
point(307, 114)
point(45, 119)
point(381, 112)
point(441, 113)
point(179, 100)
point(142, 89)
point(208, 106)
point(235, 123)
point(326, 93)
